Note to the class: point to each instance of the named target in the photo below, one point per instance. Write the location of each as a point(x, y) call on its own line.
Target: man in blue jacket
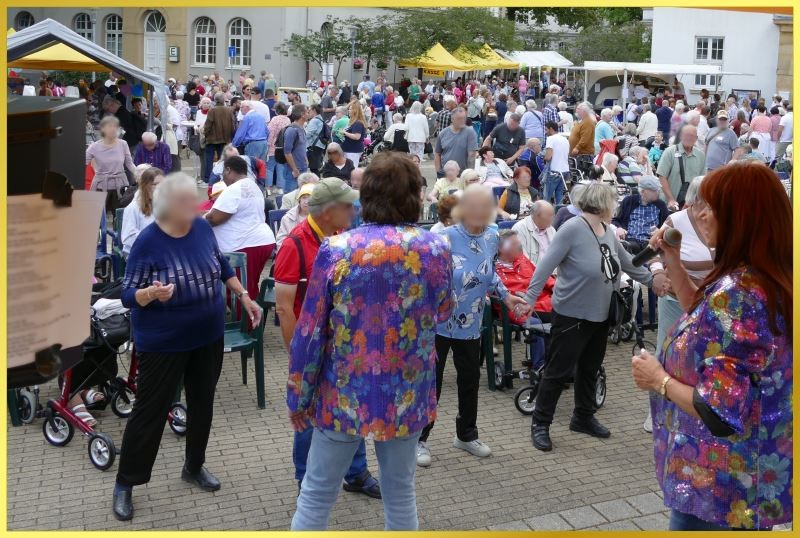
point(664, 115)
point(639, 213)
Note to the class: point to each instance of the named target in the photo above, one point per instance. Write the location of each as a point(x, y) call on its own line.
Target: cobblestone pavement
point(583, 483)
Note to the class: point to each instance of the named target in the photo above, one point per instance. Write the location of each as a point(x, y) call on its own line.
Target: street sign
point(231, 52)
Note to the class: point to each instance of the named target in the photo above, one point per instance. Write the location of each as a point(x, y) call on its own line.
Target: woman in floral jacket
point(362, 361)
point(722, 402)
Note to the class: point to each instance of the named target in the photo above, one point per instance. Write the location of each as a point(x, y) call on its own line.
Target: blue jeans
point(256, 149)
point(328, 460)
point(554, 188)
point(302, 444)
point(276, 173)
point(476, 124)
point(678, 521)
point(210, 149)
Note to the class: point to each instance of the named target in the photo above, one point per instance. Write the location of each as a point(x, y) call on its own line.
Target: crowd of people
point(539, 200)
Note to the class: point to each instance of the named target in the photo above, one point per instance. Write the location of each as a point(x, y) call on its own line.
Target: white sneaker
point(423, 454)
point(648, 423)
point(476, 447)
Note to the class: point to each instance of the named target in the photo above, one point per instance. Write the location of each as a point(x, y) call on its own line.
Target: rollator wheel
point(626, 331)
point(178, 416)
point(525, 399)
point(615, 336)
point(27, 406)
point(58, 430)
point(600, 388)
point(122, 402)
point(101, 451)
point(499, 376)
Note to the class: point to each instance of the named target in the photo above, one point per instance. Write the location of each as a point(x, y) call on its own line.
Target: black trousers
point(466, 358)
point(158, 379)
point(576, 346)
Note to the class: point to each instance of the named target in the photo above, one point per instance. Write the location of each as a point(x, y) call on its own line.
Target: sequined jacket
point(742, 372)
point(362, 357)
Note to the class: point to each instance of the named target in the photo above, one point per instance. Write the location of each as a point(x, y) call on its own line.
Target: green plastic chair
point(238, 335)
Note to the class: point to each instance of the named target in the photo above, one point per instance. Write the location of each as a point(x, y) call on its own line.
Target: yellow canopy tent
point(437, 59)
point(487, 58)
point(57, 58)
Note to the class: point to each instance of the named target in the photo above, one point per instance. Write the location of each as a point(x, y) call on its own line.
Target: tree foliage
point(575, 18)
point(321, 47)
point(628, 42)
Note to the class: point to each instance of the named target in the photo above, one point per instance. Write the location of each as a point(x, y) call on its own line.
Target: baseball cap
point(722, 114)
point(649, 183)
point(332, 189)
point(306, 190)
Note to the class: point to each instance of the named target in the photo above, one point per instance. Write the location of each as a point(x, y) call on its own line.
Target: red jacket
point(517, 278)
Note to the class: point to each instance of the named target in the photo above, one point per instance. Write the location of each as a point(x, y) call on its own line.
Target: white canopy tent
point(629, 69)
point(49, 32)
point(537, 59)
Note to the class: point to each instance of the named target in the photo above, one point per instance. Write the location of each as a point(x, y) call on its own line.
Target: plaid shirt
point(550, 114)
point(443, 120)
point(643, 218)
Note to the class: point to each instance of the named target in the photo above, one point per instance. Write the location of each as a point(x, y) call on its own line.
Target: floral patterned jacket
point(742, 372)
point(362, 358)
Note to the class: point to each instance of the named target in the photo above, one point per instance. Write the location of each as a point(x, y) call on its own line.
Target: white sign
point(327, 72)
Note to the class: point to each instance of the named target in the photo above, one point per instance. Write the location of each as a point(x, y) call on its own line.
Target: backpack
point(400, 143)
point(280, 155)
point(324, 135)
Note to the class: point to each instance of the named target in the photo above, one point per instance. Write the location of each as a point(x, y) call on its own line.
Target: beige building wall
point(784, 76)
point(176, 36)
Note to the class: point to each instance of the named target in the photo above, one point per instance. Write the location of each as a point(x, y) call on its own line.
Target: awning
point(43, 36)
point(57, 58)
point(537, 58)
point(437, 58)
point(658, 69)
point(486, 59)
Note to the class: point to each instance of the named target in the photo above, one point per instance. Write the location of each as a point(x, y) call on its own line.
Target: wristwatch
point(244, 292)
point(663, 389)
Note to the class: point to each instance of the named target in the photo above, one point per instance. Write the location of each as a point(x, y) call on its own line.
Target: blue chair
point(105, 262)
point(498, 192)
point(274, 219)
point(239, 337)
point(278, 200)
point(506, 224)
point(782, 175)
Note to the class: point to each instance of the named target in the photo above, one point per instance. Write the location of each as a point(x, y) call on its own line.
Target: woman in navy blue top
point(172, 286)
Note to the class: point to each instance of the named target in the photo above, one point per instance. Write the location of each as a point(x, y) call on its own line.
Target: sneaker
point(423, 454)
point(476, 447)
point(648, 423)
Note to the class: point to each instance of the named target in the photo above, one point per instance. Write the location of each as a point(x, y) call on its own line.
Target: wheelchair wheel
point(600, 388)
point(58, 430)
point(614, 336)
point(647, 344)
point(101, 451)
point(26, 402)
point(499, 376)
point(525, 399)
point(626, 331)
point(178, 416)
point(122, 402)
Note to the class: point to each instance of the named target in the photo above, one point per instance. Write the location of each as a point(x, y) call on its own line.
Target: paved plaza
point(583, 483)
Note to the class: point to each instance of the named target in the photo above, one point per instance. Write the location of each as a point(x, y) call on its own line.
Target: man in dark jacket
point(218, 130)
point(639, 213)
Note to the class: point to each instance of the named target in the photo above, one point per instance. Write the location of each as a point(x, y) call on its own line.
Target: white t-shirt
point(247, 227)
point(788, 126)
point(563, 115)
point(560, 145)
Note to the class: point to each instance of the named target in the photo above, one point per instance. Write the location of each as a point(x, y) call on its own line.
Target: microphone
point(671, 236)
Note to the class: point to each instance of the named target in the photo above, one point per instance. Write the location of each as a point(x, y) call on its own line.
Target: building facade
point(759, 45)
point(178, 42)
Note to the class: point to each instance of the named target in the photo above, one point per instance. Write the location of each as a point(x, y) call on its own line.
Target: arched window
point(205, 42)
point(114, 34)
point(155, 23)
point(23, 20)
point(240, 36)
point(82, 23)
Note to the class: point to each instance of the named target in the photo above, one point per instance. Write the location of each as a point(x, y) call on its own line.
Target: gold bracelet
point(663, 390)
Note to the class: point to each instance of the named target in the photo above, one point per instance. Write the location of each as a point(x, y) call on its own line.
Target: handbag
point(110, 332)
point(617, 305)
point(428, 148)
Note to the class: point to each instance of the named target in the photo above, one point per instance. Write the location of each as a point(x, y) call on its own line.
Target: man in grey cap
point(330, 211)
point(639, 213)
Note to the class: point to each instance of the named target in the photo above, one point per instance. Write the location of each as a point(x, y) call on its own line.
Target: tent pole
point(150, 110)
point(585, 86)
point(624, 95)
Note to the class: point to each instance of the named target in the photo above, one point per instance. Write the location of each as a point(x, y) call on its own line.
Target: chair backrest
point(238, 262)
point(498, 191)
point(506, 224)
point(274, 218)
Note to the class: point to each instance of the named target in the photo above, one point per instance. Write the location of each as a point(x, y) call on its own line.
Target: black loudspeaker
point(45, 135)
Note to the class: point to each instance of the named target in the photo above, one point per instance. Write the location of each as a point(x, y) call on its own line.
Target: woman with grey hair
point(610, 162)
point(589, 259)
point(696, 257)
point(571, 210)
point(417, 131)
point(289, 199)
point(110, 158)
point(532, 121)
point(172, 286)
point(627, 140)
point(603, 129)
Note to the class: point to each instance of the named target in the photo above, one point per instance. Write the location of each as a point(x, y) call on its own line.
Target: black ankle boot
point(123, 504)
point(540, 434)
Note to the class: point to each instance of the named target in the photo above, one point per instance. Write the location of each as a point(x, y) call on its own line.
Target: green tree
point(416, 30)
point(331, 44)
point(575, 18)
point(628, 42)
point(374, 39)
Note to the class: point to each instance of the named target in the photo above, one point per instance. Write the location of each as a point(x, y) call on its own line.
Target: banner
point(433, 73)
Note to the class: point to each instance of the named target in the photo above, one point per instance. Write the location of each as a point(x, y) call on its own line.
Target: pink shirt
point(761, 124)
point(274, 126)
